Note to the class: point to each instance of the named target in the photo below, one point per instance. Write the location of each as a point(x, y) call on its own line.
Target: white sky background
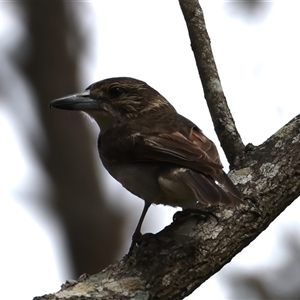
point(148, 40)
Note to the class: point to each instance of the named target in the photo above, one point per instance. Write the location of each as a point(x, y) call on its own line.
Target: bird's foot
point(143, 240)
point(204, 215)
point(136, 239)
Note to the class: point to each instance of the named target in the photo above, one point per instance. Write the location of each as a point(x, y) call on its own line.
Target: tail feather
point(207, 191)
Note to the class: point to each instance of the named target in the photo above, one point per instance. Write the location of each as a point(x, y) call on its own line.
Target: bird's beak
point(80, 101)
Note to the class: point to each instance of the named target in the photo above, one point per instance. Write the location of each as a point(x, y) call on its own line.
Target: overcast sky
point(259, 65)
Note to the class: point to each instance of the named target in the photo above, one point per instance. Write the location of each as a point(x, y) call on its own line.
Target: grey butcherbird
point(154, 152)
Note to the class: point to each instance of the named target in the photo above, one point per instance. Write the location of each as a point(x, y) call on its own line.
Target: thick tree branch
point(174, 262)
point(228, 135)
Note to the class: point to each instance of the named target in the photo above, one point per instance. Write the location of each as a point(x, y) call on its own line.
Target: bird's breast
point(139, 178)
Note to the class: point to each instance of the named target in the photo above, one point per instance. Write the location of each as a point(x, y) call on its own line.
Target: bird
point(153, 151)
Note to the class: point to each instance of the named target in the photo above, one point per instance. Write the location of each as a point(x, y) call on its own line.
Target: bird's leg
point(137, 233)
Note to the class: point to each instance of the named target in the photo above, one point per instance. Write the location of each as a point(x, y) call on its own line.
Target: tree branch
point(228, 135)
point(177, 260)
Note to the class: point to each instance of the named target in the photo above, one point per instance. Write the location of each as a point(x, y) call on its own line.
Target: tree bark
point(177, 260)
point(225, 128)
point(77, 197)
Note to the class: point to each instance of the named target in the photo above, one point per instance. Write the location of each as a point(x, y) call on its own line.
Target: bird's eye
point(116, 91)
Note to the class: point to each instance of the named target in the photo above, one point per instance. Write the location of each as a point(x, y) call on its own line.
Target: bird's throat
point(104, 119)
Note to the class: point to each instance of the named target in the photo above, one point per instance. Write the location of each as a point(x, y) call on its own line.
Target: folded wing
point(195, 152)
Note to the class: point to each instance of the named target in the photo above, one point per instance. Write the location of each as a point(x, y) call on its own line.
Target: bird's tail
point(214, 191)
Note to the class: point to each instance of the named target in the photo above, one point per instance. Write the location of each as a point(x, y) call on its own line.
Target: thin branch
point(225, 128)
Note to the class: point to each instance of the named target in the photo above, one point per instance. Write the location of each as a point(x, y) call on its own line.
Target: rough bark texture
point(228, 135)
point(177, 260)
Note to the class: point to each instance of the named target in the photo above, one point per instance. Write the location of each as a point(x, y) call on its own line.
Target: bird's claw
point(180, 215)
point(136, 239)
point(142, 240)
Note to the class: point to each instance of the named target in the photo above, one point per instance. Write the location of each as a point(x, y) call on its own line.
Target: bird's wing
point(194, 151)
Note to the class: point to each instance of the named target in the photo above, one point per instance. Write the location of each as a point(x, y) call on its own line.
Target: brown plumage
point(153, 151)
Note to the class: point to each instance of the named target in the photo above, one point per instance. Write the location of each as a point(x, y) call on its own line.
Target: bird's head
point(114, 100)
